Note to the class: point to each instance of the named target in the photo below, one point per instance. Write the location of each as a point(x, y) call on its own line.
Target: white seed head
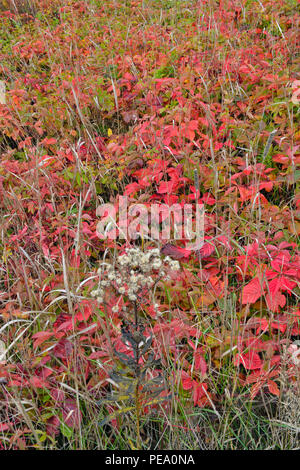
point(133, 272)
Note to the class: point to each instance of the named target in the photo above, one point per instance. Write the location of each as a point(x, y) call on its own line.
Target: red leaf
point(50, 141)
point(187, 382)
point(36, 382)
point(249, 360)
point(85, 315)
point(166, 187)
point(71, 414)
point(4, 426)
point(206, 250)
point(208, 199)
point(273, 387)
point(255, 389)
point(175, 251)
point(252, 291)
point(200, 363)
point(275, 301)
point(52, 426)
point(131, 188)
point(41, 337)
point(199, 393)
point(263, 324)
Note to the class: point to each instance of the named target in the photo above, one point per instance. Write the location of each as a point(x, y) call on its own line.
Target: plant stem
point(137, 405)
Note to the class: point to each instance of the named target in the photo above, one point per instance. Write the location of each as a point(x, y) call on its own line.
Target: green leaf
point(66, 431)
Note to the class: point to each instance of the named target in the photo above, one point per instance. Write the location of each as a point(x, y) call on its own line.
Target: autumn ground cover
point(161, 101)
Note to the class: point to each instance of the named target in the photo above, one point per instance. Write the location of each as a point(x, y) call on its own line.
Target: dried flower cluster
point(133, 272)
